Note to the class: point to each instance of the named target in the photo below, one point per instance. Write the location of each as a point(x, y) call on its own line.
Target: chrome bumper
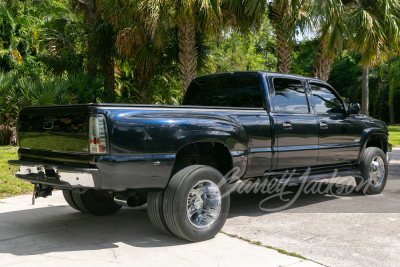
point(58, 176)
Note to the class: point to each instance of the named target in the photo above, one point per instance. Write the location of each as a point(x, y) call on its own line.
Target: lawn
point(10, 186)
point(394, 135)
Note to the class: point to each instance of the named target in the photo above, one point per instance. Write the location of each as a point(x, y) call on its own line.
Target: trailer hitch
point(40, 190)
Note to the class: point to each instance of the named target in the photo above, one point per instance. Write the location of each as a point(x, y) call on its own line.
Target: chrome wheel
point(377, 171)
point(203, 204)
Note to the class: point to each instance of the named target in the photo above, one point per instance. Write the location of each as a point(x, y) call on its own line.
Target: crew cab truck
point(178, 159)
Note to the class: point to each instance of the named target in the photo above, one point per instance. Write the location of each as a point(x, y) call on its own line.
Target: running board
point(313, 177)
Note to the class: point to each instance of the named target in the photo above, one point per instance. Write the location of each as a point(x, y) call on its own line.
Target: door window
point(325, 101)
point(290, 96)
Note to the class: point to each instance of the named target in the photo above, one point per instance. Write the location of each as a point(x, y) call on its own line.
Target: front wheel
point(374, 172)
point(196, 203)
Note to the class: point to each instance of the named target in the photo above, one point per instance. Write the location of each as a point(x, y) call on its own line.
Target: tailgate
point(54, 128)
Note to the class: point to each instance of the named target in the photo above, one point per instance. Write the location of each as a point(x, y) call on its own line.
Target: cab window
point(290, 96)
point(325, 101)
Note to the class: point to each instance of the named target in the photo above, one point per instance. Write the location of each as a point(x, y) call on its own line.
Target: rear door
point(339, 134)
point(295, 128)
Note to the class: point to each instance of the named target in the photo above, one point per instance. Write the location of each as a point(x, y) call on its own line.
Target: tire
point(155, 210)
point(192, 182)
point(96, 202)
point(372, 180)
point(70, 199)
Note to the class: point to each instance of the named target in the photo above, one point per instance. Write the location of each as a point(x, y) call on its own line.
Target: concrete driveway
point(346, 230)
point(53, 234)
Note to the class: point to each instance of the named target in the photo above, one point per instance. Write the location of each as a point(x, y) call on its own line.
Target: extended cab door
point(339, 134)
point(295, 124)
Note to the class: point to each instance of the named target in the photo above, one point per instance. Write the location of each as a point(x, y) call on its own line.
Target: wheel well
point(376, 141)
point(212, 154)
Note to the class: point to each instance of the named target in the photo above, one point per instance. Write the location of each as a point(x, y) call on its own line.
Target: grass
point(394, 135)
point(258, 243)
point(10, 186)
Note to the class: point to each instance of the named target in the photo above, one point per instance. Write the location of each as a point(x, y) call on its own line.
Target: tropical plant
point(368, 26)
point(393, 84)
point(372, 22)
point(329, 17)
point(100, 42)
point(286, 17)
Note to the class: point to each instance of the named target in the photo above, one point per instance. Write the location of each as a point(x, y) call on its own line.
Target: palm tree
point(142, 26)
point(209, 17)
point(374, 24)
point(392, 29)
point(329, 17)
point(286, 16)
point(100, 42)
point(368, 26)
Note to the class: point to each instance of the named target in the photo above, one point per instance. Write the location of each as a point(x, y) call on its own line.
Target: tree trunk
point(282, 23)
point(108, 72)
point(391, 93)
point(284, 51)
point(365, 89)
point(266, 61)
point(8, 135)
point(92, 68)
point(142, 92)
point(391, 111)
point(187, 50)
point(324, 62)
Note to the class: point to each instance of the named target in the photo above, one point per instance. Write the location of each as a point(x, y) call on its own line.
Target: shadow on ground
point(60, 228)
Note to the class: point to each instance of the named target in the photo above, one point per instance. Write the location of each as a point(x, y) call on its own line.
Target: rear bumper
point(61, 177)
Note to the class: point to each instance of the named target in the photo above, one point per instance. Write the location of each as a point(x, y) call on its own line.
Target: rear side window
point(325, 101)
point(290, 96)
point(225, 91)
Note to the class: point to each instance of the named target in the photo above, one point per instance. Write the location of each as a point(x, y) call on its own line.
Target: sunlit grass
point(9, 185)
point(394, 135)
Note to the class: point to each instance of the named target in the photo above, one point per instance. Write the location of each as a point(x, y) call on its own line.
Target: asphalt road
point(334, 230)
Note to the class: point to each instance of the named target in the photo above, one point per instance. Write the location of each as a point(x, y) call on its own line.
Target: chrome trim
point(73, 178)
point(377, 171)
point(77, 179)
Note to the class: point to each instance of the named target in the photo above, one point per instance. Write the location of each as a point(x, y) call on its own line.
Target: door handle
point(287, 125)
point(323, 125)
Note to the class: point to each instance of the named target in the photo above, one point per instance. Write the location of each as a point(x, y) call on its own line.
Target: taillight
point(98, 136)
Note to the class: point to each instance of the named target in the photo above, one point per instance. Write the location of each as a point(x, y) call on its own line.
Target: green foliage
point(305, 57)
point(85, 87)
point(345, 77)
point(52, 52)
point(7, 62)
point(19, 91)
point(239, 52)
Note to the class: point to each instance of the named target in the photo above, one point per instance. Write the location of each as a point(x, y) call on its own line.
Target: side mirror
point(355, 108)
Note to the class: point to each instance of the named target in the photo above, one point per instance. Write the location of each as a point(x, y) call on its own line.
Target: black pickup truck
point(178, 159)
